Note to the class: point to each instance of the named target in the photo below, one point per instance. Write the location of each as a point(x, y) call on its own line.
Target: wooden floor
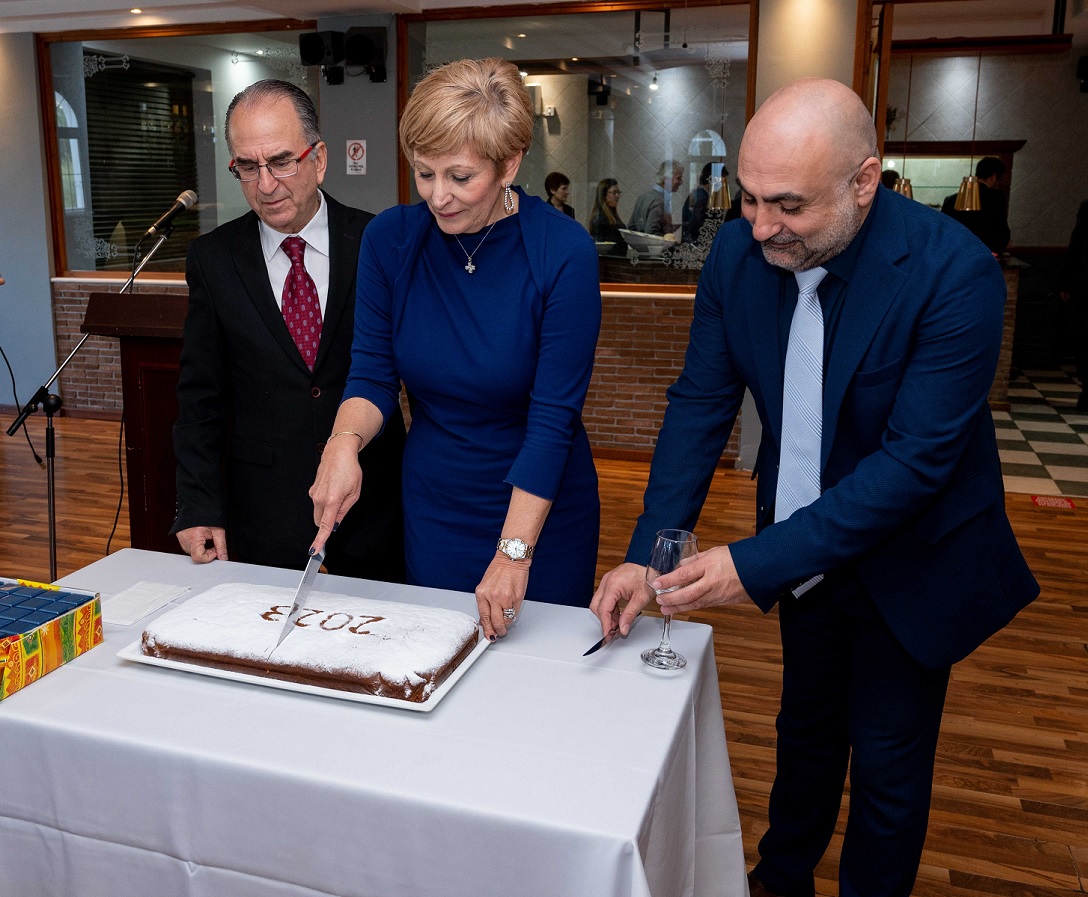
point(1010, 807)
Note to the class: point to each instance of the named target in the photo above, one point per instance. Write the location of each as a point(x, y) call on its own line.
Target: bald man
point(907, 525)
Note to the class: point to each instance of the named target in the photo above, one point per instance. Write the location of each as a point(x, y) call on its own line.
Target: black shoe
point(756, 888)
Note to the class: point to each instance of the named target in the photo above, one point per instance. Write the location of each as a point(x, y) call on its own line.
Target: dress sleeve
point(570, 325)
point(373, 373)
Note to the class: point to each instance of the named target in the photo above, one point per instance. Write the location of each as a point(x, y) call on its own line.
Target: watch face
point(515, 549)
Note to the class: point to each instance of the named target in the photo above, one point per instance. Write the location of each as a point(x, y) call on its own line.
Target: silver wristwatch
point(515, 549)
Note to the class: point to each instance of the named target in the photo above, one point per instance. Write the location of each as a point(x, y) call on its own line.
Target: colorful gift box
point(41, 627)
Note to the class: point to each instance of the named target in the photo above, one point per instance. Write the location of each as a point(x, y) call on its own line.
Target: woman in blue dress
point(485, 302)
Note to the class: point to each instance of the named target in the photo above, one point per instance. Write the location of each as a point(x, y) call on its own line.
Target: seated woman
point(604, 220)
point(487, 305)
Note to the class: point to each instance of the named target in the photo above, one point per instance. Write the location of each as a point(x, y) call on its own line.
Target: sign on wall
point(356, 157)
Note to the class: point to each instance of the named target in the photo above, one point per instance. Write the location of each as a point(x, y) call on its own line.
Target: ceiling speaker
point(366, 48)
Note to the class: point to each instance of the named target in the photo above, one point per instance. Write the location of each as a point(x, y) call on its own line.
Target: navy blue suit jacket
point(913, 500)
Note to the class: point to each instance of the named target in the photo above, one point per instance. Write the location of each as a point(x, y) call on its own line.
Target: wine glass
point(671, 546)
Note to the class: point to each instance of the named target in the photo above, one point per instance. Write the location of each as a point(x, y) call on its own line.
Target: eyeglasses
point(614, 192)
point(281, 168)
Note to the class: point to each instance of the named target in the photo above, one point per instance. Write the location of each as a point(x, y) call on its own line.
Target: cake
point(383, 648)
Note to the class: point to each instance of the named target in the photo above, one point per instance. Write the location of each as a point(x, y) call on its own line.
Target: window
point(630, 97)
point(138, 122)
point(71, 171)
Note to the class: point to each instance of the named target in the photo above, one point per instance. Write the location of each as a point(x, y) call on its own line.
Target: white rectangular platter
point(133, 653)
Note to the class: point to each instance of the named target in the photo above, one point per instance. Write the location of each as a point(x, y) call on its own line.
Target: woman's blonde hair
point(478, 103)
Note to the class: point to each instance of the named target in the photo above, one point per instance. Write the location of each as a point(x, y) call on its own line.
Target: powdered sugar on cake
point(336, 635)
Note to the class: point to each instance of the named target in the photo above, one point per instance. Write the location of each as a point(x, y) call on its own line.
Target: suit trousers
point(851, 697)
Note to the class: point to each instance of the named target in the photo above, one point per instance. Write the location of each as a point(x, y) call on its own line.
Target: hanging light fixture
point(653, 84)
point(719, 196)
point(968, 199)
point(902, 183)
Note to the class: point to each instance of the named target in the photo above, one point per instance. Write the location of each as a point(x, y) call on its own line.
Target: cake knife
point(597, 647)
point(301, 594)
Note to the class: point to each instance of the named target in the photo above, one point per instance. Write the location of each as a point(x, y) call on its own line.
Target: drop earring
point(507, 199)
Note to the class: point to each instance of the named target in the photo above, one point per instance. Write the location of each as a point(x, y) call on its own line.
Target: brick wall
point(91, 383)
point(639, 354)
point(999, 392)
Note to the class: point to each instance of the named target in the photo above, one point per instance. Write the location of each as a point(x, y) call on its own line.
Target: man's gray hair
point(272, 89)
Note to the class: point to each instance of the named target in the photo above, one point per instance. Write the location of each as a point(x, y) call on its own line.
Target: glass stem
point(665, 647)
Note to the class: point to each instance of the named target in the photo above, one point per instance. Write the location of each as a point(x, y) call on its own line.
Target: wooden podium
point(149, 326)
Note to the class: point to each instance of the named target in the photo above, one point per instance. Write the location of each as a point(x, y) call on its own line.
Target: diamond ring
point(510, 614)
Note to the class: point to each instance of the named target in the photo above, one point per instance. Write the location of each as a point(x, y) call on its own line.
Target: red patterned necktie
point(301, 307)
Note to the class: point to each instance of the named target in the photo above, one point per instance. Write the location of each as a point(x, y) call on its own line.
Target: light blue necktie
point(802, 406)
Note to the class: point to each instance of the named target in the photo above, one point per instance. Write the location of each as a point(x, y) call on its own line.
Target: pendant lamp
point(719, 198)
point(968, 200)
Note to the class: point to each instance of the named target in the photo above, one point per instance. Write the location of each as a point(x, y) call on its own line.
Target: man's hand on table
point(627, 583)
point(204, 543)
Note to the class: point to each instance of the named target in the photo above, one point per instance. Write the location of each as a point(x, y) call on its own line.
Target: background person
point(486, 303)
point(990, 223)
point(695, 206)
point(652, 213)
point(557, 186)
point(889, 555)
point(1074, 291)
point(254, 414)
point(605, 221)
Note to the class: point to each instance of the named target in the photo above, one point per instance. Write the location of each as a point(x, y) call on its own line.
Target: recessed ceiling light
point(260, 52)
point(574, 59)
point(136, 11)
point(521, 35)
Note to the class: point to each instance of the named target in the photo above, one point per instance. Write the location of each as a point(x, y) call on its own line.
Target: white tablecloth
point(540, 773)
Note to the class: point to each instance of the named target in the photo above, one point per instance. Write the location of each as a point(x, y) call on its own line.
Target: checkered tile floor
point(1043, 439)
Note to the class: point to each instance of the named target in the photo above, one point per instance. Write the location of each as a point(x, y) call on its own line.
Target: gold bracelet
point(346, 433)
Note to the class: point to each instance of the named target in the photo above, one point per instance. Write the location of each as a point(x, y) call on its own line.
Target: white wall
point(361, 109)
point(804, 39)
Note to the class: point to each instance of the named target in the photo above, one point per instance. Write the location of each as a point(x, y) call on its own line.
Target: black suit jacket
point(990, 223)
point(253, 419)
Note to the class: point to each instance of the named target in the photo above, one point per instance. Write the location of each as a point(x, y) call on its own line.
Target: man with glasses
point(867, 329)
point(265, 356)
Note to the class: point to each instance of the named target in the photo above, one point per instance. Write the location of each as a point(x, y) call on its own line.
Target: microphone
point(181, 204)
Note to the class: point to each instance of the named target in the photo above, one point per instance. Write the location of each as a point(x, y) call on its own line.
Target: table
point(541, 773)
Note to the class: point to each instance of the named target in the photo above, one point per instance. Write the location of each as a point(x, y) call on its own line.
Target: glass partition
point(932, 178)
point(138, 121)
point(639, 109)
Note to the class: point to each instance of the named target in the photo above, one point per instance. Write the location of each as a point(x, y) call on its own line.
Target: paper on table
point(137, 601)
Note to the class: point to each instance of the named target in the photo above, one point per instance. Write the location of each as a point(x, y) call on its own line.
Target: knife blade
point(301, 594)
point(601, 643)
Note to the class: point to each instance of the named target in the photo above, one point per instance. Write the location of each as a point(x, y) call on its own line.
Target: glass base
point(664, 660)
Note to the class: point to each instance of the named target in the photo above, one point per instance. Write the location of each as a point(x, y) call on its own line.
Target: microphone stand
point(52, 404)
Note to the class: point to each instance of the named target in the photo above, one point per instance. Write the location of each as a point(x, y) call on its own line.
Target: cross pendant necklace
point(470, 267)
